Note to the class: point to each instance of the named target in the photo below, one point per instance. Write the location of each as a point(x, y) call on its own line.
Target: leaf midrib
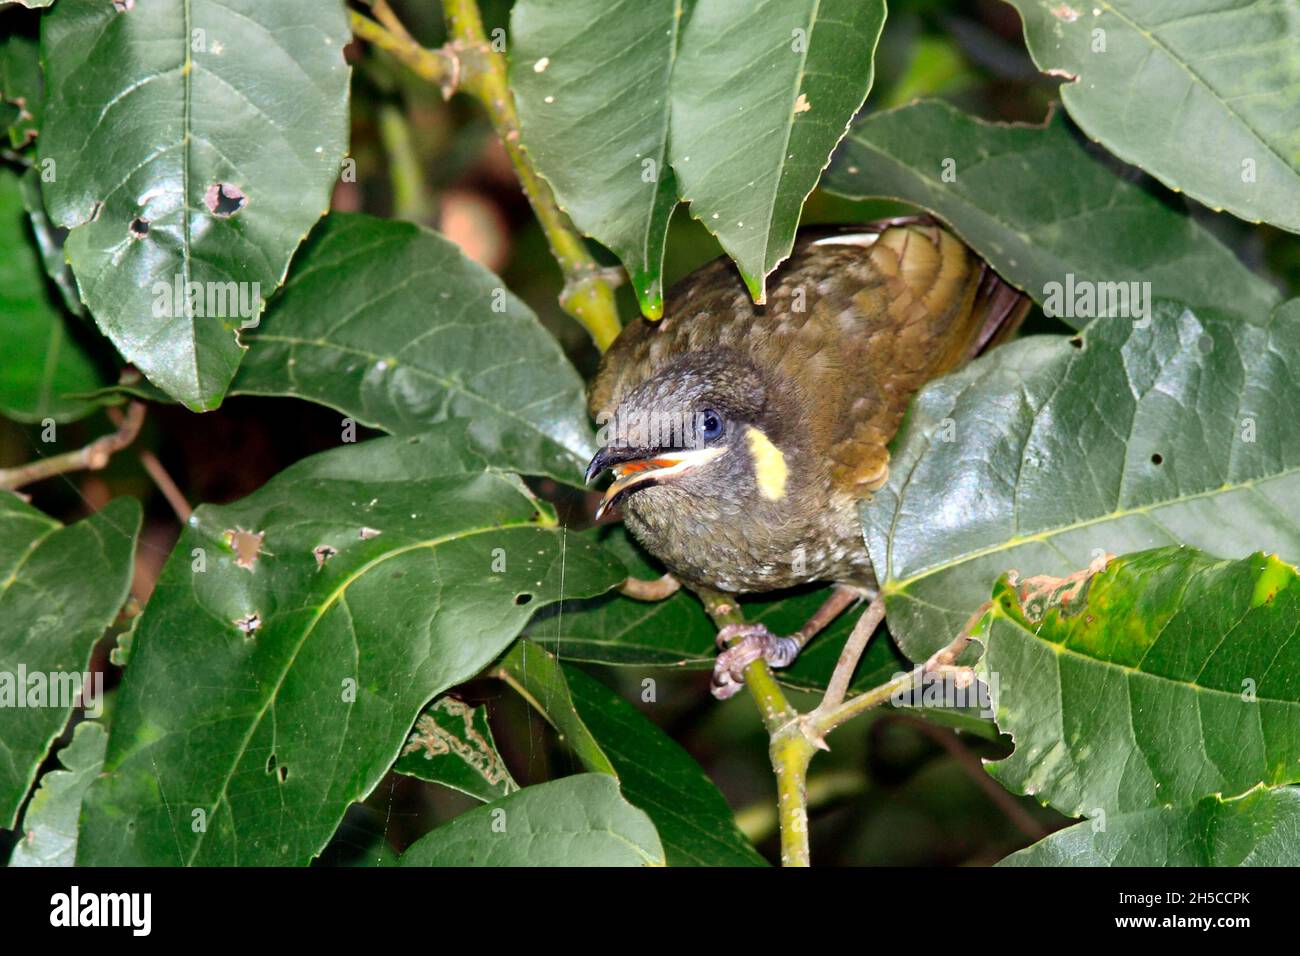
point(334, 596)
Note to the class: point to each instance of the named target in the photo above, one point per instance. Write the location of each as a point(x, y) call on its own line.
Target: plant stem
point(470, 64)
point(92, 457)
point(410, 199)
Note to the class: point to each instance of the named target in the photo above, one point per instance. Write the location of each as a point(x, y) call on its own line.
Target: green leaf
point(1166, 677)
point(1203, 99)
point(610, 736)
point(43, 364)
point(60, 588)
point(1048, 452)
point(575, 821)
point(1070, 211)
point(590, 79)
point(21, 88)
point(539, 679)
point(161, 117)
point(49, 829)
point(386, 573)
point(452, 745)
point(49, 241)
point(390, 324)
point(695, 823)
point(761, 94)
point(1257, 829)
point(676, 632)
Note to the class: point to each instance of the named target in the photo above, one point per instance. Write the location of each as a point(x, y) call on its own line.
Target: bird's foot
point(755, 641)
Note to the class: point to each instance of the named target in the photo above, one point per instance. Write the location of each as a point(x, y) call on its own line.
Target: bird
point(743, 436)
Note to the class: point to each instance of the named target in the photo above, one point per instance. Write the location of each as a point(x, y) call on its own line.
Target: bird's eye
point(710, 424)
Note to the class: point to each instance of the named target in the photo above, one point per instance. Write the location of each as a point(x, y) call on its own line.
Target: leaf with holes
point(590, 72)
point(1050, 451)
point(194, 145)
point(1073, 216)
point(49, 829)
point(1166, 677)
point(45, 362)
point(1257, 829)
point(574, 821)
point(60, 588)
point(452, 745)
point(1204, 98)
point(393, 326)
point(316, 617)
point(761, 94)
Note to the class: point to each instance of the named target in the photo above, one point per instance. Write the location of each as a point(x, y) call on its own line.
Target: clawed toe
point(755, 641)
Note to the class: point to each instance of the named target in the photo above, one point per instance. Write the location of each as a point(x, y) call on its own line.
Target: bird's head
point(709, 425)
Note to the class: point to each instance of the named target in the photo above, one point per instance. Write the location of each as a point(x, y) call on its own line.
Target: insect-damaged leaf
point(574, 821)
point(191, 143)
point(60, 587)
point(388, 572)
point(1050, 451)
point(451, 744)
point(1166, 677)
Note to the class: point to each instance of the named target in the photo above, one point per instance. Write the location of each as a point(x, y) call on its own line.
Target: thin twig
point(91, 458)
point(852, 653)
point(974, 768)
point(469, 64)
point(170, 490)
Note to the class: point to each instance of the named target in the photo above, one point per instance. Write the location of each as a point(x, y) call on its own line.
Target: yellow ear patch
point(769, 465)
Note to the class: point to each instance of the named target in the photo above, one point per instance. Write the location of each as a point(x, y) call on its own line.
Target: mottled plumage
point(856, 321)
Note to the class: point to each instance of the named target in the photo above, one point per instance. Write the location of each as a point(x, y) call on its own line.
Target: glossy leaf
point(1164, 678)
point(1203, 95)
point(1048, 452)
point(452, 745)
point(590, 78)
point(761, 94)
point(44, 366)
point(318, 616)
point(610, 736)
point(1071, 212)
point(1257, 829)
point(49, 829)
point(676, 632)
point(192, 143)
point(60, 588)
point(575, 821)
point(695, 823)
point(538, 677)
point(393, 326)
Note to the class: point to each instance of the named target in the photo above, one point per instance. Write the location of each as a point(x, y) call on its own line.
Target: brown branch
point(91, 458)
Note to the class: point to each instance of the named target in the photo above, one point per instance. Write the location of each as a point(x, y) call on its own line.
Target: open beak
point(637, 468)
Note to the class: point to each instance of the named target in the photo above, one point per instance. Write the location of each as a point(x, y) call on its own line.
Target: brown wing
point(857, 319)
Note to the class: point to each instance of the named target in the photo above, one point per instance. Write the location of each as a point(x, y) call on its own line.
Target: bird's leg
point(756, 641)
point(657, 590)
